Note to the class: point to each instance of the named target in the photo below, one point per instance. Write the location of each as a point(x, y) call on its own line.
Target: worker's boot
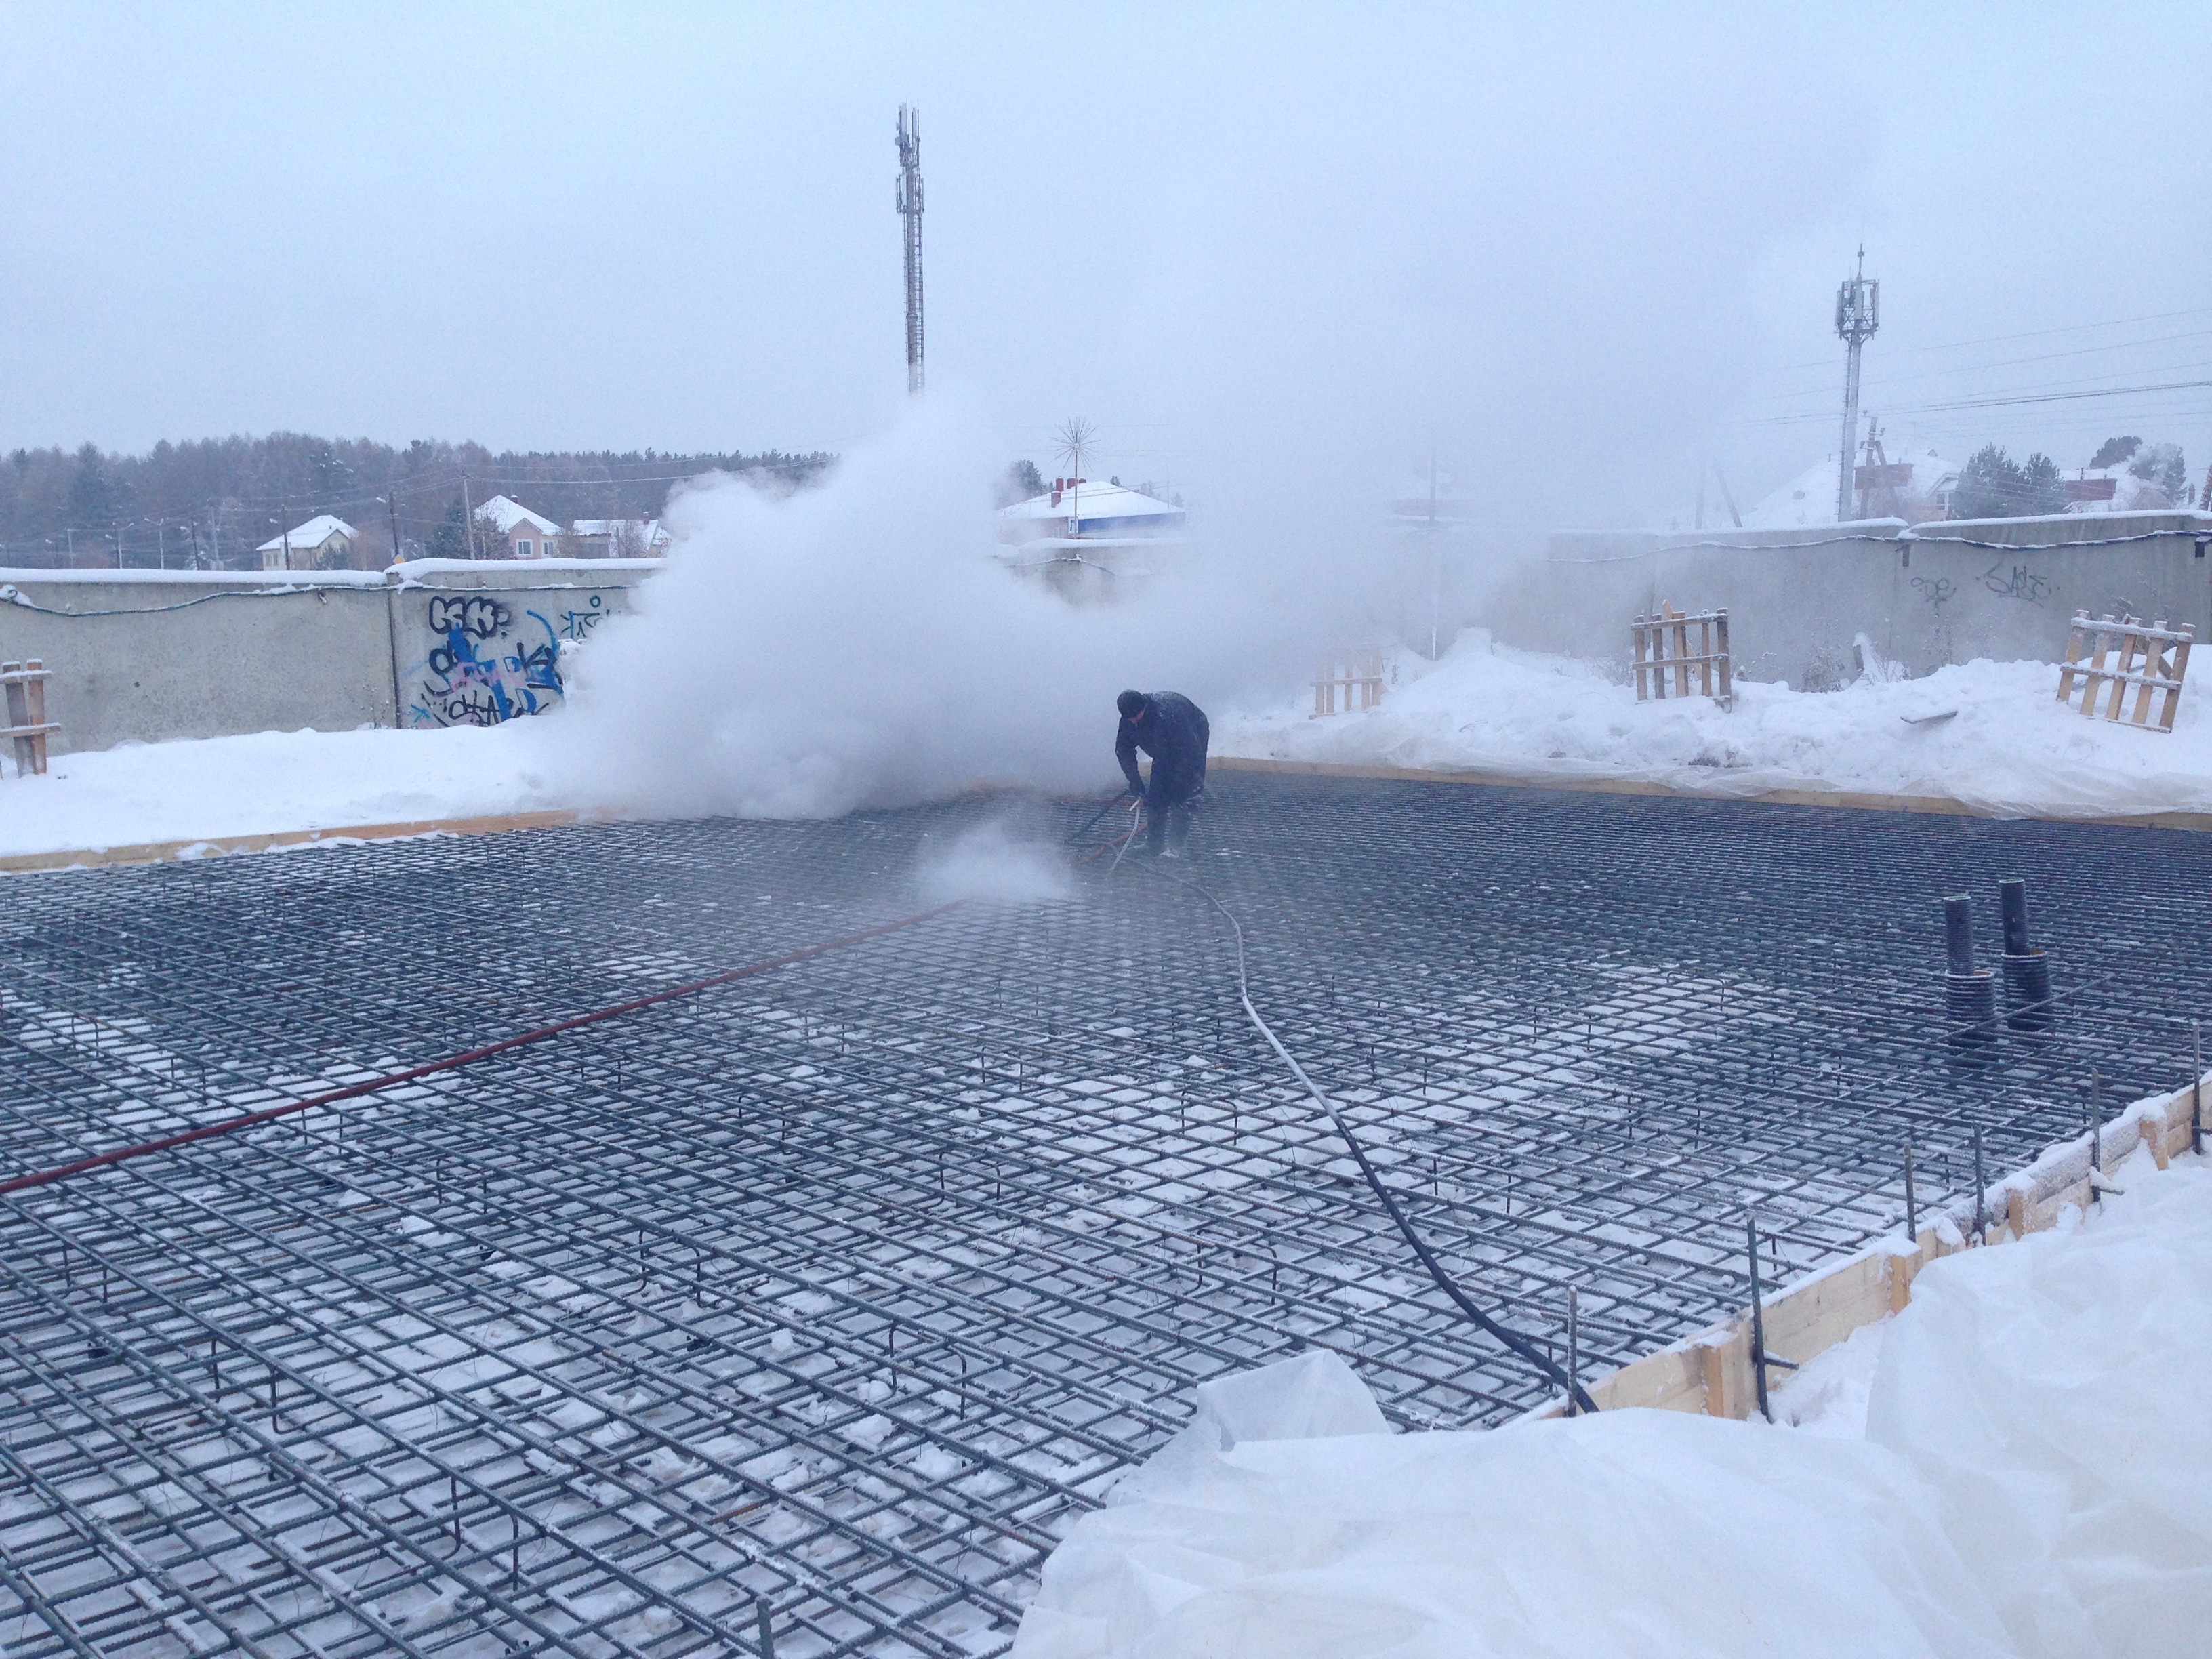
point(1178, 831)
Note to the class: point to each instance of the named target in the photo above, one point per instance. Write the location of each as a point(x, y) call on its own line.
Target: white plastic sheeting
point(2035, 1481)
point(2056, 1398)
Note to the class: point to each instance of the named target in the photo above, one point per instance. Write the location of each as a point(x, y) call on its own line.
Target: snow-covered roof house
point(1077, 509)
point(2113, 489)
point(323, 541)
point(528, 535)
point(1914, 487)
point(614, 538)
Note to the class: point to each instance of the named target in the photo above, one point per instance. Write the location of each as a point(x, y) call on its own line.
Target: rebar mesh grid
point(834, 1296)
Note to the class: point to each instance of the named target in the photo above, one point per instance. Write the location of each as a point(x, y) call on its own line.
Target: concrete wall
point(150, 655)
point(1923, 596)
point(473, 644)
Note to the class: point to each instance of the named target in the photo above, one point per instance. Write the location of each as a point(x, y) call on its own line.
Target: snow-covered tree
point(1993, 485)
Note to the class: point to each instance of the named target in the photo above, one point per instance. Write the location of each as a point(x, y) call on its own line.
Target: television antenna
point(1075, 437)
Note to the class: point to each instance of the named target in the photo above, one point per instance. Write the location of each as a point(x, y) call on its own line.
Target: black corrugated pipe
point(1969, 994)
point(2026, 971)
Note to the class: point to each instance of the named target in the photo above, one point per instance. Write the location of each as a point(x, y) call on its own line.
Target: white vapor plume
point(990, 864)
point(855, 645)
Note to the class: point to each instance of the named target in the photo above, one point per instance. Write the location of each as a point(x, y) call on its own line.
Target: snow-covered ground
point(273, 782)
point(2014, 1465)
point(2009, 748)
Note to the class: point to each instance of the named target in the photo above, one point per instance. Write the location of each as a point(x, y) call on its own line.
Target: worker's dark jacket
point(1174, 734)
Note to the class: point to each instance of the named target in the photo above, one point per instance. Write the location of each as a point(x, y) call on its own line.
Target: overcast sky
point(1593, 251)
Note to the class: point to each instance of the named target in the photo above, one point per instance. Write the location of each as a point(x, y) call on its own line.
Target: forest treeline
point(210, 503)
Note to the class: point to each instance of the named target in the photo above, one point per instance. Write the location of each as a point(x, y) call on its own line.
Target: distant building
point(1088, 540)
point(1917, 489)
point(527, 535)
point(614, 538)
point(2113, 489)
point(1078, 510)
point(323, 543)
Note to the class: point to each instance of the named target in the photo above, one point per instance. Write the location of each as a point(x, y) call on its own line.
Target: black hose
point(1444, 1281)
point(1078, 836)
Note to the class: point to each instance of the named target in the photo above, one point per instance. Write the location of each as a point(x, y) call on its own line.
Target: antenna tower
point(1074, 437)
point(1858, 313)
point(909, 207)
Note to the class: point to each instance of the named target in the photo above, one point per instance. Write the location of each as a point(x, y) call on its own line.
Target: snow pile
point(2010, 747)
point(2031, 1482)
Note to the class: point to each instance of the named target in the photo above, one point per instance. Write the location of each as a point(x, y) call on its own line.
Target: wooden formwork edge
point(165, 852)
point(1856, 799)
point(1711, 1371)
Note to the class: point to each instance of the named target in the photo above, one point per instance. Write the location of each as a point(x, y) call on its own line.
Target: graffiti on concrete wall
point(2017, 583)
point(493, 660)
point(488, 655)
point(578, 624)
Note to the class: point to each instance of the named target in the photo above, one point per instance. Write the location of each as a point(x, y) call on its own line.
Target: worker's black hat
point(1131, 703)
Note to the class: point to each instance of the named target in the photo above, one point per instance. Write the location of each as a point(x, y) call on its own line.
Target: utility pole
point(469, 516)
point(391, 505)
point(909, 207)
point(1858, 313)
point(284, 529)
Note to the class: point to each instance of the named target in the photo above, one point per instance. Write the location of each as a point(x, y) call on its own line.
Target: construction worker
point(1170, 728)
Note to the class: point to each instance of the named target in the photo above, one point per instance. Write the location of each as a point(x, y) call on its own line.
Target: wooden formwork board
point(1711, 1372)
point(23, 684)
point(1856, 800)
point(2154, 660)
point(1661, 642)
point(1354, 681)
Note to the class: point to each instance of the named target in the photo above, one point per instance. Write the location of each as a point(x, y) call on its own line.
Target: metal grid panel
point(837, 1293)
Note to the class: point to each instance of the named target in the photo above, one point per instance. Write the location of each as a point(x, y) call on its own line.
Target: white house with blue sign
point(1086, 510)
point(1089, 537)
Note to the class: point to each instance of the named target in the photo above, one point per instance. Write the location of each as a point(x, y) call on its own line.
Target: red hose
point(121, 1154)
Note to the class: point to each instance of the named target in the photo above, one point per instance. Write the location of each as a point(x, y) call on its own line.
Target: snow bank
point(2010, 748)
point(2032, 1481)
point(273, 782)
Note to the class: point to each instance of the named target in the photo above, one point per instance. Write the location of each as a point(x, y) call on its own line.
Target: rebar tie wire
point(454, 1062)
point(1443, 1280)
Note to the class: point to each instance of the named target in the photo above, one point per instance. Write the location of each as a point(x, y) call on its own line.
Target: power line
point(2012, 362)
point(1999, 403)
point(2032, 334)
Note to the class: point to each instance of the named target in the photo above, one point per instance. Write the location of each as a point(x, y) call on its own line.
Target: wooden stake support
point(26, 683)
point(1663, 642)
point(1358, 675)
point(2153, 658)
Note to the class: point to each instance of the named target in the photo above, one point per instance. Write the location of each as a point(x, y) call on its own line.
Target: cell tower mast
point(1858, 313)
point(909, 207)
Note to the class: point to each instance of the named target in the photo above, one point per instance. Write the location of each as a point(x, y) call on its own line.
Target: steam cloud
point(855, 645)
point(990, 864)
